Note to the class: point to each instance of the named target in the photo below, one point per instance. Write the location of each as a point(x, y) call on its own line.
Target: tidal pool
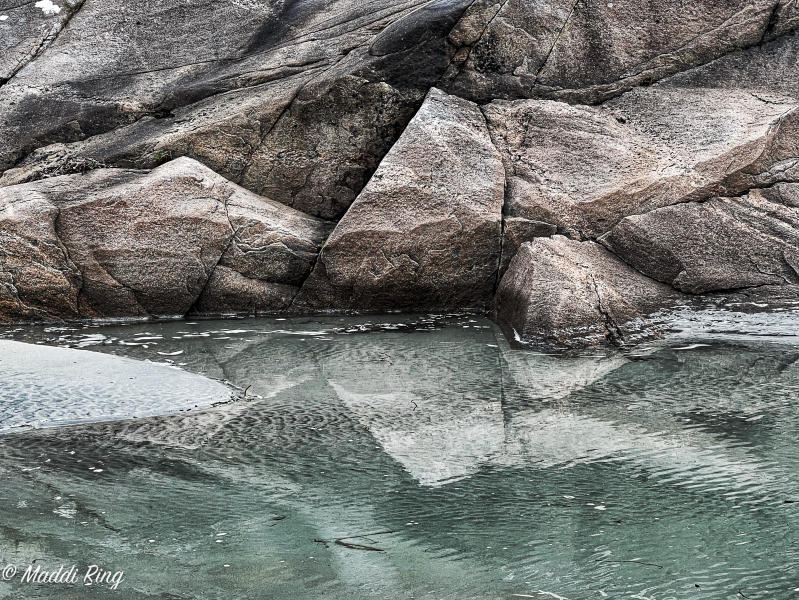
point(418, 457)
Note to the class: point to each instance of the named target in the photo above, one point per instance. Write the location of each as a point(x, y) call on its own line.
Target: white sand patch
point(42, 386)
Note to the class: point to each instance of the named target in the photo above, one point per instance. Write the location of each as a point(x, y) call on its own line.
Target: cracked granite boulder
point(37, 279)
point(120, 243)
point(565, 293)
point(424, 234)
point(722, 244)
point(582, 169)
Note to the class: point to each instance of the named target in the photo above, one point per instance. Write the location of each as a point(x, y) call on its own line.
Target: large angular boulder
point(146, 244)
point(119, 243)
point(583, 169)
point(722, 244)
point(425, 232)
point(562, 292)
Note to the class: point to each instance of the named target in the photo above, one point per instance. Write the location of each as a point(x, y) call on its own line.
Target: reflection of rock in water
point(424, 435)
point(435, 442)
point(673, 414)
point(544, 378)
point(691, 458)
point(720, 381)
point(431, 401)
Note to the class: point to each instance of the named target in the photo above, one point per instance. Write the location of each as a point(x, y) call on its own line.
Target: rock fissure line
point(500, 260)
point(63, 247)
point(226, 246)
point(771, 24)
point(286, 109)
point(760, 270)
point(791, 266)
point(470, 46)
point(554, 45)
point(614, 89)
point(46, 42)
point(612, 330)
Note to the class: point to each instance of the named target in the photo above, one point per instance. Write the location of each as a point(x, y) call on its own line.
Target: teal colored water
point(421, 458)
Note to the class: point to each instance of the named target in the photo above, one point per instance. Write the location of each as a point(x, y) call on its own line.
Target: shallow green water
point(423, 458)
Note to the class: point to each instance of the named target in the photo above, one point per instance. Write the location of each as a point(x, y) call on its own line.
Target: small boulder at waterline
point(563, 292)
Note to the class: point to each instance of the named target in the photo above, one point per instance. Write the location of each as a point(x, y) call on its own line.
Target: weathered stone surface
point(590, 50)
point(145, 246)
point(26, 30)
point(322, 151)
point(563, 292)
point(516, 231)
point(722, 244)
point(36, 276)
point(300, 102)
point(229, 292)
point(766, 69)
point(271, 242)
point(262, 96)
point(117, 243)
point(425, 232)
point(583, 169)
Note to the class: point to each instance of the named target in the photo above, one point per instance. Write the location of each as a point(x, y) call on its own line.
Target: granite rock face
point(130, 243)
point(425, 232)
point(258, 91)
point(582, 169)
point(27, 28)
point(745, 242)
point(569, 165)
point(37, 278)
point(588, 51)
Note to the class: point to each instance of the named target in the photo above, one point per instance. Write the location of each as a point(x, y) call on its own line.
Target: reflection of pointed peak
point(546, 378)
point(437, 443)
